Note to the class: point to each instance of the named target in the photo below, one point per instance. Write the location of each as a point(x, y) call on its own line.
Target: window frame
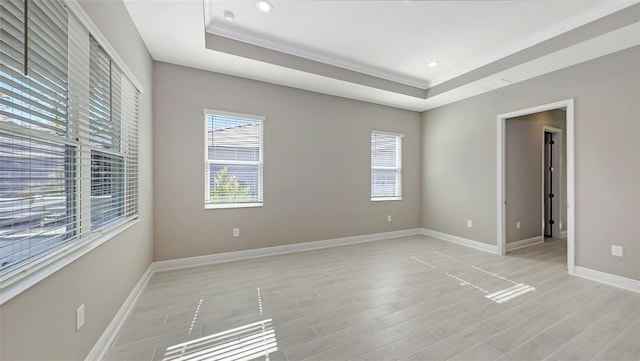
point(397, 168)
point(208, 163)
point(14, 281)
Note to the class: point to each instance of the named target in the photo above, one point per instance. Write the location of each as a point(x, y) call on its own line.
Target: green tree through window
point(227, 189)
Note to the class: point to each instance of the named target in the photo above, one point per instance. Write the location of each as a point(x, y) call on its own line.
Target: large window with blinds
point(386, 166)
point(233, 160)
point(68, 137)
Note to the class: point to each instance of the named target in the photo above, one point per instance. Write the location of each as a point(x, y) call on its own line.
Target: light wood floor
point(413, 298)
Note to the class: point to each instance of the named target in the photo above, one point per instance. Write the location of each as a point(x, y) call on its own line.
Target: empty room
point(319, 180)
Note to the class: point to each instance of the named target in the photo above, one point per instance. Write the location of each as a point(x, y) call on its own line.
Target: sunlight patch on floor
point(243, 343)
point(499, 296)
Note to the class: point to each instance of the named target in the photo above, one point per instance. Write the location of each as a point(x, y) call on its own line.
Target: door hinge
point(550, 195)
point(551, 222)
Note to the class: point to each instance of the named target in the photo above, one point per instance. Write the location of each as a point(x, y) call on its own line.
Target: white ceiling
point(389, 42)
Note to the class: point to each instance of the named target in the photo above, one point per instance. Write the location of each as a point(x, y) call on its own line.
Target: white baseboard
point(511, 246)
point(269, 251)
point(563, 234)
point(608, 278)
point(461, 241)
point(110, 333)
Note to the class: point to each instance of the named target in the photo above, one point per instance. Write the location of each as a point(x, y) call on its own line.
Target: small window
point(233, 160)
point(386, 166)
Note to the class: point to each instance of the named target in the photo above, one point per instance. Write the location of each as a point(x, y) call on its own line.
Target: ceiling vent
point(495, 84)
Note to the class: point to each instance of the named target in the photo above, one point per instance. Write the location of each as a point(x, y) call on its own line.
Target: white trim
point(27, 132)
point(570, 206)
point(459, 240)
point(570, 158)
point(501, 192)
point(270, 251)
point(104, 342)
point(512, 246)
point(563, 234)
point(260, 163)
point(246, 36)
point(398, 167)
point(79, 12)
point(549, 33)
point(110, 333)
point(607, 278)
point(387, 133)
point(231, 205)
point(268, 42)
point(32, 276)
point(223, 113)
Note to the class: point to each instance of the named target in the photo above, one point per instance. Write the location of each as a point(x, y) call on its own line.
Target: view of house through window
point(386, 166)
point(233, 159)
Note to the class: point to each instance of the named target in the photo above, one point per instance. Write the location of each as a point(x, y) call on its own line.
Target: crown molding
point(263, 41)
point(246, 36)
point(243, 35)
point(549, 33)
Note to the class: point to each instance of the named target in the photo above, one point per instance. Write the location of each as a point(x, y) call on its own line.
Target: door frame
point(556, 210)
point(500, 183)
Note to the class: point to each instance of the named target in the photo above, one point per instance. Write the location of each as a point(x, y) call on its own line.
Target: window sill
point(29, 277)
point(232, 205)
point(384, 199)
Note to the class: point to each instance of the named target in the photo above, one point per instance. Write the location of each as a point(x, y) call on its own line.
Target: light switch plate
point(617, 251)
point(80, 317)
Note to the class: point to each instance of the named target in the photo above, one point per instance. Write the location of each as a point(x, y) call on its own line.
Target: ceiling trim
point(571, 24)
point(603, 45)
point(253, 38)
point(246, 36)
point(274, 57)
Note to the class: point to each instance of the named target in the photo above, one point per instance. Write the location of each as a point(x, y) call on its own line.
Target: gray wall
point(459, 158)
point(316, 166)
point(523, 173)
point(39, 324)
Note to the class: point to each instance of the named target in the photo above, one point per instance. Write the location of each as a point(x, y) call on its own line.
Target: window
point(233, 160)
point(386, 166)
point(68, 137)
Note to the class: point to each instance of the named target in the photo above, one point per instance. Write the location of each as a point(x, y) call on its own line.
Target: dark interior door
point(548, 184)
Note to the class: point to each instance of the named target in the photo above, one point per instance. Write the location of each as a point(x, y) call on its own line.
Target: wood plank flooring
point(412, 298)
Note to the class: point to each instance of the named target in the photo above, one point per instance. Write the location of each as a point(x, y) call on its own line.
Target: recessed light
point(228, 16)
point(433, 63)
point(264, 5)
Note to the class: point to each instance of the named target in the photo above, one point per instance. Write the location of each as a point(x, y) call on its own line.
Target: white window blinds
point(386, 166)
point(68, 136)
point(233, 159)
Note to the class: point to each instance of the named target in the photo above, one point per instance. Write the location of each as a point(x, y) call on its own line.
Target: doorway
point(552, 194)
point(501, 199)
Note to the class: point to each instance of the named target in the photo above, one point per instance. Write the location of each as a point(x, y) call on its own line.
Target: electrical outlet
point(236, 232)
point(617, 251)
point(80, 317)
point(389, 218)
point(469, 224)
point(518, 225)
